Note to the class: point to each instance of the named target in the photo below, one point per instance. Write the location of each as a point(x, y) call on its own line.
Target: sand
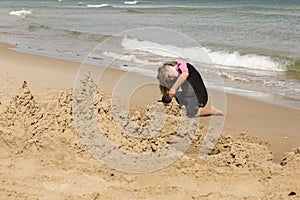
point(46, 153)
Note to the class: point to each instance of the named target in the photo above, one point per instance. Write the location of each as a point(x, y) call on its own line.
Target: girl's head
point(166, 73)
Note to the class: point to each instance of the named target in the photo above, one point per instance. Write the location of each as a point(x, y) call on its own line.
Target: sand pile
point(22, 113)
point(245, 150)
point(135, 132)
point(41, 141)
point(28, 125)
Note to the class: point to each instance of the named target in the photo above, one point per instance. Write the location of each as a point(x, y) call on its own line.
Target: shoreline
point(246, 93)
point(276, 124)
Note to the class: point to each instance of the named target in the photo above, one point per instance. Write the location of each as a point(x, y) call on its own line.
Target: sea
point(245, 47)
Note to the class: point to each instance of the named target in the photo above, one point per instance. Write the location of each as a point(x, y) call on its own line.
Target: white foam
point(130, 2)
point(96, 6)
point(22, 13)
point(130, 58)
point(193, 53)
point(207, 56)
point(250, 61)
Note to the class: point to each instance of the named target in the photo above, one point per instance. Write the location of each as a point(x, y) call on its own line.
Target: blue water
point(252, 46)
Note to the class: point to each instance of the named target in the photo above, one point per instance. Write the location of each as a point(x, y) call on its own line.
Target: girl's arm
point(178, 83)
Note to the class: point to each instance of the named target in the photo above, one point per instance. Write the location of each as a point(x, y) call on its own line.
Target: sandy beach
point(42, 156)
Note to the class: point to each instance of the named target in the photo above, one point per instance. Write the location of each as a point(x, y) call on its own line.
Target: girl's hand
point(171, 93)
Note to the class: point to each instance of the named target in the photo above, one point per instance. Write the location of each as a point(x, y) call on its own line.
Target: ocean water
point(247, 47)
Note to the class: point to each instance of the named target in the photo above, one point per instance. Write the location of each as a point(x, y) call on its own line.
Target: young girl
point(193, 95)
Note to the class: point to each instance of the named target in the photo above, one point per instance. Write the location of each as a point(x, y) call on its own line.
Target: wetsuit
point(193, 94)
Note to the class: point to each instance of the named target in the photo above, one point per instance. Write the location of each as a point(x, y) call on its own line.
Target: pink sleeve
point(182, 65)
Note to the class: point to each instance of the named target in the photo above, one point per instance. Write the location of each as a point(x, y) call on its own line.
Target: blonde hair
point(164, 83)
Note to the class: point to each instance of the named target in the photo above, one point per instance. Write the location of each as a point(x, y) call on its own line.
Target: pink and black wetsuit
point(194, 94)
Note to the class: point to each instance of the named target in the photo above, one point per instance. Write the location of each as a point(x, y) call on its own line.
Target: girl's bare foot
point(208, 111)
point(215, 111)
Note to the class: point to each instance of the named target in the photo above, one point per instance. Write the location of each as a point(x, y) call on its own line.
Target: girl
point(193, 95)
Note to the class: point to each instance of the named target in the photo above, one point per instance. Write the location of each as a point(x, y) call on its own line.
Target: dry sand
point(42, 156)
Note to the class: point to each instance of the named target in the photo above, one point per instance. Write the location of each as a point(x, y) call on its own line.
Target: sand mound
point(137, 133)
point(242, 151)
point(28, 125)
point(22, 113)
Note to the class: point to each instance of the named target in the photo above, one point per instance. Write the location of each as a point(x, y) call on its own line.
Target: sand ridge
point(42, 157)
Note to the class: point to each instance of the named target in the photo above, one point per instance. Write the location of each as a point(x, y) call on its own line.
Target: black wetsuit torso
point(194, 85)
